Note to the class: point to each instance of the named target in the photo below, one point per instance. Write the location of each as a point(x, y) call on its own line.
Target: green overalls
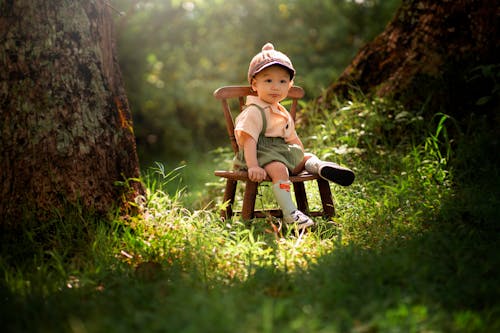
point(272, 149)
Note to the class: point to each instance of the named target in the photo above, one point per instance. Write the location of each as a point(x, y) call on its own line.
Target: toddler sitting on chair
point(266, 136)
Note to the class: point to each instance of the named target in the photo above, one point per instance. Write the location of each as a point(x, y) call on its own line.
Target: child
point(267, 139)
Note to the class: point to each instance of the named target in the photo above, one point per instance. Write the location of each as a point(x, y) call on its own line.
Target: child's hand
point(256, 174)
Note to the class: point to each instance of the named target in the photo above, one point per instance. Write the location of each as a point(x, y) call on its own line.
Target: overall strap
point(264, 121)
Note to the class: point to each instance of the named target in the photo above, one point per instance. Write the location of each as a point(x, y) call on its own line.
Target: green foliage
point(412, 249)
point(488, 76)
point(174, 54)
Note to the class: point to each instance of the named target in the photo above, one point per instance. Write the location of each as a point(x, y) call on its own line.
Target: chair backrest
point(224, 94)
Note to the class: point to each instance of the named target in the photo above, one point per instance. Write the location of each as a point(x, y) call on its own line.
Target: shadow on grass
point(443, 279)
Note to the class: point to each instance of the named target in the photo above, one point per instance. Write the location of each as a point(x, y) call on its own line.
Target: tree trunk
point(66, 130)
point(428, 52)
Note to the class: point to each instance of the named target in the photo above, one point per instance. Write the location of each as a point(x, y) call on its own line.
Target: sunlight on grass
point(403, 253)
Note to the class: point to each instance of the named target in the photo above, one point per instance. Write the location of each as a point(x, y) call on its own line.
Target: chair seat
point(243, 176)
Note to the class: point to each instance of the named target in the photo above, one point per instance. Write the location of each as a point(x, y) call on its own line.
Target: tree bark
point(425, 52)
point(66, 130)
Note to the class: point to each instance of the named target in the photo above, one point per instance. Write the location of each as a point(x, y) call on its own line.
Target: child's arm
point(255, 172)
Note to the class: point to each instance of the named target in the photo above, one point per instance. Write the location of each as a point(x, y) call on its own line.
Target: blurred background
point(175, 53)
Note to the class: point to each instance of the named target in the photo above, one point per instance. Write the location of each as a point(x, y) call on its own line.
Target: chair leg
point(249, 200)
point(326, 198)
point(229, 195)
point(300, 197)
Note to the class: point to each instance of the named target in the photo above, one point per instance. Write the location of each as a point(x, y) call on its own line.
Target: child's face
point(272, 84)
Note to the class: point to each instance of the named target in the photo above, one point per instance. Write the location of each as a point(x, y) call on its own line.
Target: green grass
point(413, 248)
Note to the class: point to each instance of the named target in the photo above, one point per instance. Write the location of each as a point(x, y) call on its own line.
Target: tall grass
point(413, 247)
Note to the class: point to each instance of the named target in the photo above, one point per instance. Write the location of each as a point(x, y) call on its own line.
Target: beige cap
point(269, 57)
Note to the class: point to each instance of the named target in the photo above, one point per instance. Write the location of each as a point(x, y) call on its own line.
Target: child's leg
point(299, 168)
point(329, 170)
point(278, 173)
point(281, 191)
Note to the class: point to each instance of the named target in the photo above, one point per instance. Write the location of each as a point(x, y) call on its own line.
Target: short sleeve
point(250, 122)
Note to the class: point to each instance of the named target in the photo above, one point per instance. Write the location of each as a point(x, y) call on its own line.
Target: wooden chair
point(239, 93)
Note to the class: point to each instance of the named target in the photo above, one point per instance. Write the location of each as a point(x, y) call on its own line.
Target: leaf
point(483, 100)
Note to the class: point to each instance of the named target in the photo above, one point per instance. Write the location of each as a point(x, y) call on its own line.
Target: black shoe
point(335, 173)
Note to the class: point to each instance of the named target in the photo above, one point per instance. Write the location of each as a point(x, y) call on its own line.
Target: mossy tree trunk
point(66, 132)
point(427, 54)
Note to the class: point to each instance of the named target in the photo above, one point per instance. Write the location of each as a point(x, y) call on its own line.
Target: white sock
point(312, 164)
point(281, 191)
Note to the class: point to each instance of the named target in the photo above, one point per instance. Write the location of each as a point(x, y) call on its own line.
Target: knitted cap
point(268, 57)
